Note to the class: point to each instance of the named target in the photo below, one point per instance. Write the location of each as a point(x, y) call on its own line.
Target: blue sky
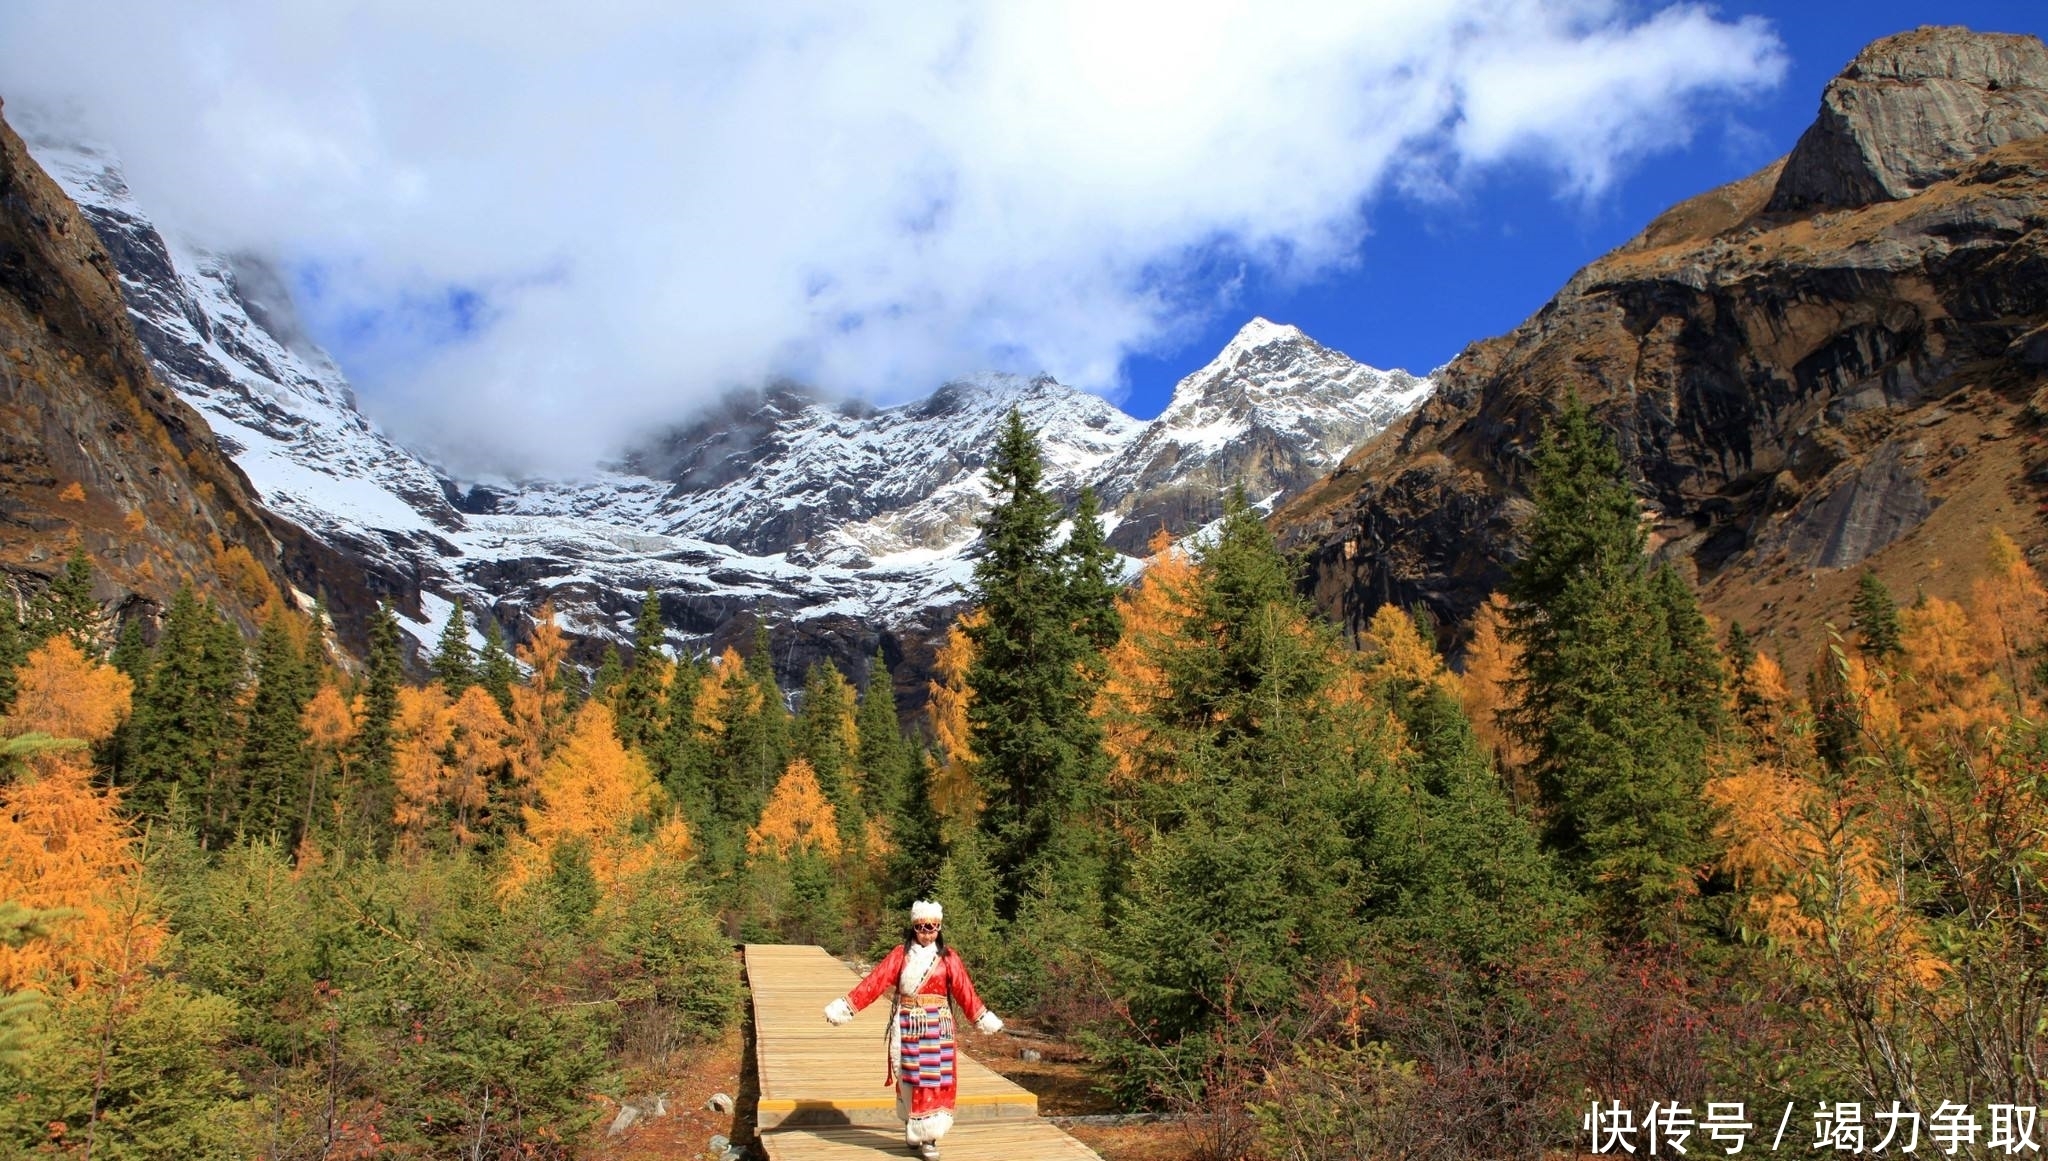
point(531, 237)
point(1433, 276)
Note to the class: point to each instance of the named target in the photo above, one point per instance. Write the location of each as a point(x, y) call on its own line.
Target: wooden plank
point(815, 1074)
point(1032, 1140)
point(822, 1095)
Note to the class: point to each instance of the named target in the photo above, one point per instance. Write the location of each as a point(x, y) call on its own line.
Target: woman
point(926, 975)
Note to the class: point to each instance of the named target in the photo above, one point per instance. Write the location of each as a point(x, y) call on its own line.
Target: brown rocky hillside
point(1839, 362)
point(93, 448)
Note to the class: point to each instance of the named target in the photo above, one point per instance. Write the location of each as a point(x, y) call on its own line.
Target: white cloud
point(657, 201)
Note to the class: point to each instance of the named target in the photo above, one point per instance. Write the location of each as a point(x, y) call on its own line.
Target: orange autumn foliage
point(1393, 651)
point(797, 816)
point(64, 845)
point(1491, 662)
point(479, 730)
point(954, 796)
point(539, 704)
point(592, 789)
point(1953, 692)
point(1155, 613)
point(65, 694)
point(420, 731)
point(726, 694)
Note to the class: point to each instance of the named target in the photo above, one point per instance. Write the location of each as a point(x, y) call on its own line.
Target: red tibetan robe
point(923, 1028)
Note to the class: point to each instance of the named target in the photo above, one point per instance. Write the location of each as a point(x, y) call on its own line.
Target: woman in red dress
point(929, 978)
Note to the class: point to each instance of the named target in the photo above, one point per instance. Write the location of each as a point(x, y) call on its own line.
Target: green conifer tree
point(455, 664)
point(1039, 749)
point(820, 735)
point(1876, 617)
point(1094, 578)
point(496, 671)
point(895, 777)
point(67, 606)
point(1619, 766)
point(683, 757)
point(1695, 679)
point(184, 729)
point(611, 673)
point(758, 747)
point(131, 652)
point(275, 763)
point(13, 648)
point(638, 710)
point(1261, 765)
point(370, 816)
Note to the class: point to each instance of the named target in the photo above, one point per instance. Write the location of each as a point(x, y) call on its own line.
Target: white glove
point(839, 1011)
point(988, 1023)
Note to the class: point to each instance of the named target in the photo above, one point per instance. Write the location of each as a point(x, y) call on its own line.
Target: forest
point(1315, 893)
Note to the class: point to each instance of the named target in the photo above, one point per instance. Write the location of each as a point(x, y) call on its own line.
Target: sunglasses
point(924, 927)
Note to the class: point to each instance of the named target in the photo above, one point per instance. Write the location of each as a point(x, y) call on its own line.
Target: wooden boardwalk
point(822, 1091)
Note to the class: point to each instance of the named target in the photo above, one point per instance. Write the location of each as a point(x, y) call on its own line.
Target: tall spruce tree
point(1039, 749)
point(495, 670)
point(1620, 767)
point(1876, 617)
point(638, 706)
point(894, 774)
point(1094, 577)
point(825, 735)
point(454, 662)
point(184, 728)
point(682, 756)
point(1695, 677)
point(611, 673)
point(370, 815)
point(1257, 760)
point(275, 762)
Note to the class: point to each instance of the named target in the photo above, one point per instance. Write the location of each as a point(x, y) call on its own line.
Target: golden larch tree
point(592, 788)
point(954, 796)
point(65, 694)
point(1492, 663)
point(1393, 652)
point(63, 843)
point(2010, 607)
point(420, 733)
point(1953, 690)
point(797, 816)
point(726, 694)
point(1155, 613)
point(540, 703)
point(480, 729)
point(330, 721)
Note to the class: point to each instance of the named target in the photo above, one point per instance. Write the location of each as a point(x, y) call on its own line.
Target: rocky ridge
point(94, 449)
point(1830, 364)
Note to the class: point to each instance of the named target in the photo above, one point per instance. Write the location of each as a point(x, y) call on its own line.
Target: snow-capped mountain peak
point(1259, 332)
point(834, 519)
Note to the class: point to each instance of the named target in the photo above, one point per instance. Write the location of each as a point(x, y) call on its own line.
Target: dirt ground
point(1062, 1079)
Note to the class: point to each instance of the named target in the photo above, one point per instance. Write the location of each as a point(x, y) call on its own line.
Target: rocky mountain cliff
point(1830, 364)
point(841, 525)
point(94, 449)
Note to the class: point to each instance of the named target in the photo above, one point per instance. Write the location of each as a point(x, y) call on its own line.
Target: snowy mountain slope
point(838, 522)
point(1274, 412)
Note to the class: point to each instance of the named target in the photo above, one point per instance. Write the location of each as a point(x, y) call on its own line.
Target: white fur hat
point(926, 909)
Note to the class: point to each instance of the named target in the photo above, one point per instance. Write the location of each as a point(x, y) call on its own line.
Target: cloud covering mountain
point(523, 231)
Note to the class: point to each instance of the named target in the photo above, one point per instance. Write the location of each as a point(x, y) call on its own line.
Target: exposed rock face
point(1910, 111)
point(1794, 392)
point(94, 449)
